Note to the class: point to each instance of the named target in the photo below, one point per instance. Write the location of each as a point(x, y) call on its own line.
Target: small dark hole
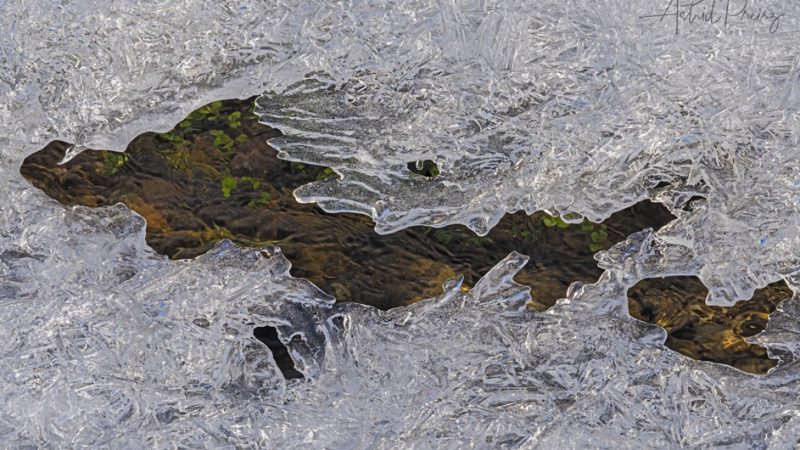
point(425, 168)
point(688, 206)
point(338, 322)
point(269, 336)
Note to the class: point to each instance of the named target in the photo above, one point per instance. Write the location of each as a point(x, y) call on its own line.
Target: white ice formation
point(567, 106)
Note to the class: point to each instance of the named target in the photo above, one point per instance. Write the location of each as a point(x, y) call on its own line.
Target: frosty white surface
point(560, 106)
point(556, 105)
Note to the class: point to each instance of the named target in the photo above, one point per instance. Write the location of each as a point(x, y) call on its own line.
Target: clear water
point(559, 106)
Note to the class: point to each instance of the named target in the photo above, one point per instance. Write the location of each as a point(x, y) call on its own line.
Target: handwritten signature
point(704, 11)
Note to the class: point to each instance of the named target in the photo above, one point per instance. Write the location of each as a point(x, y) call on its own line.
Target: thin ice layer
point(123, 347)
point(107, 344)
point(570, 107)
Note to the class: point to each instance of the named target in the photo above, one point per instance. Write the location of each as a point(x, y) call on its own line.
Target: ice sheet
point(565, 106)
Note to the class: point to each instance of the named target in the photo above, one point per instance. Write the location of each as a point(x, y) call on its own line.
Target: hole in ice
point(708, 333)
point(692, 203)
point(269, 337)
point(195, 188)
point(426, 168)
point(214, 177)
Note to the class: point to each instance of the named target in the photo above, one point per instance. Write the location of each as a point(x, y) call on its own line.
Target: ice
point(565, 106)
point(576, 108)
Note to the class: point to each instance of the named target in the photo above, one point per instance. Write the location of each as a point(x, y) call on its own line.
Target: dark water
point(214, 177)
point(709, 333)
point(280, 353)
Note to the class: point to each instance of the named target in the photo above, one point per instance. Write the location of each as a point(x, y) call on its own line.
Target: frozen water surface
point(571, 107)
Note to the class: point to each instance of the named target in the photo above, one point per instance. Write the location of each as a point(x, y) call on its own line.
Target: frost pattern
point(572, 107)
point(568, 106)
